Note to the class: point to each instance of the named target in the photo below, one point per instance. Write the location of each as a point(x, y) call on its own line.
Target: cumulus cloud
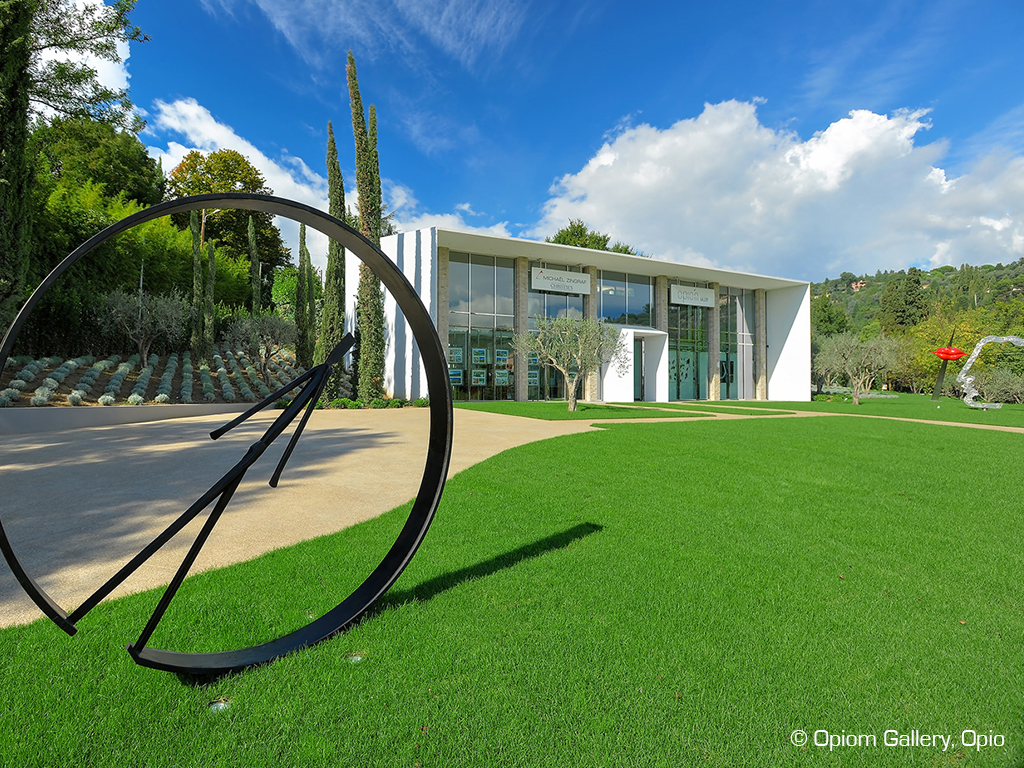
point(288, 175)
point(865, 193)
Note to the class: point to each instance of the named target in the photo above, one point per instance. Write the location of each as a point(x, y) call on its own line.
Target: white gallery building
point(692, 333)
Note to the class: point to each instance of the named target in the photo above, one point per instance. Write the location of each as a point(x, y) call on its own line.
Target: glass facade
point(481, 323)
point(543, 381)
point(481, 311)
point(736, 357)
point(687, 350)
point(625, 299)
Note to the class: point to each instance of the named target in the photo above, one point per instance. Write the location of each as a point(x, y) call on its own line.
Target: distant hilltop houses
point(858, 285)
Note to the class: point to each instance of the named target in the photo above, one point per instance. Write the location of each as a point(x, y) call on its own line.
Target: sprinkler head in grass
point(219, 705)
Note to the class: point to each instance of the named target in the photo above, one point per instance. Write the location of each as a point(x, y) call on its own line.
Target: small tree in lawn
point(258, 336)
point(860, 361)
point(573, 345)
point(144, 318)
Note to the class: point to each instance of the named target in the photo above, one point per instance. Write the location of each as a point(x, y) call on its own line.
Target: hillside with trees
point(919, 311)
point(211, 296)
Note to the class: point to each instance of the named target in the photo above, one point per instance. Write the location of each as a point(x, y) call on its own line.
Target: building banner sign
point(560, 282)
point(698, 297)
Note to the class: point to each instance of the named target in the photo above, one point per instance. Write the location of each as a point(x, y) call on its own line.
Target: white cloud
point(861, 195)
point(409, 216)
point(289, 176)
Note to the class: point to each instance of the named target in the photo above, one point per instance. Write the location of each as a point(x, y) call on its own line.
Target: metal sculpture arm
point(970, 392)
point(223, 488)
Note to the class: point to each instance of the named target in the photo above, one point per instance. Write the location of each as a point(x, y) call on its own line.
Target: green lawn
point(558, 410)
point(708, 407)
point(661, 594)
point(908, 406)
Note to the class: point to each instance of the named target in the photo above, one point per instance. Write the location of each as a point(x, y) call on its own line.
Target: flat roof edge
point(510, 247)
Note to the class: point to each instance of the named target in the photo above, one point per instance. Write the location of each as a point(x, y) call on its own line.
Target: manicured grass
point(661, 594)
point(909, 406)
point(736, 411)
point(557, 411)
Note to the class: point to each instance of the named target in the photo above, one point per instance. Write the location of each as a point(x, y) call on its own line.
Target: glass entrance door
point(638, 370)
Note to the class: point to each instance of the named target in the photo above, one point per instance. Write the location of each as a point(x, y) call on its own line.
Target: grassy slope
point(650, 594)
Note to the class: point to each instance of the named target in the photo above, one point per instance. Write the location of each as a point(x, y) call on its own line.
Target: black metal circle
point(439, 442)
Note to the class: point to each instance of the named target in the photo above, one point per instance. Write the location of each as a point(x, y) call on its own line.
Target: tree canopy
point(227, 170)
point(577, 233)
point(573, 345)
point(76, 150)
point(72, 88)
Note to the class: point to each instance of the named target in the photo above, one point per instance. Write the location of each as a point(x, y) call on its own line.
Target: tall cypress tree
point(370, 298)
point(15, 84)
point(211, 278)
point(302, 353)
point(332, 317)
point(198, 279)
point(254, 270)
point(311, 276)
point(376, 202)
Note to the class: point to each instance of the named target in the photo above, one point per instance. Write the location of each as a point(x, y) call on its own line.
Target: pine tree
point(370, 298)
point(332, 320)
point(211, 278)
point(303, 354)
point(254, 269)
point(15, 87)
point(198, 279)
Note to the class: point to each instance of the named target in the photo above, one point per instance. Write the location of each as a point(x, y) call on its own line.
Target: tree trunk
point(570, 389)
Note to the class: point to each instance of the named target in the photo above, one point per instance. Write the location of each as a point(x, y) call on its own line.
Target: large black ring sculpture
point(428, 497)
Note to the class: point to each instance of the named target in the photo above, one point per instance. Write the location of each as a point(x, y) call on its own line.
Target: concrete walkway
point(77, 505)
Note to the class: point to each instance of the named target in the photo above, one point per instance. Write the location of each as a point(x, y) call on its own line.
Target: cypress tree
point(311, 276)
point(370, 299)
point(15, 177)
point(376, 202)
point(302, 355)
point(211, 277)
point(254, 269)
point(198, 278)
point(332, 319)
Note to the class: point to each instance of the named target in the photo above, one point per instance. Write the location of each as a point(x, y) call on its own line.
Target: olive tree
point(143, 318)
point(860, 361)
point(573, 345)
point(258, 336)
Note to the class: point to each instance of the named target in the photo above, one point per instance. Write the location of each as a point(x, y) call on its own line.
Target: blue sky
point(798, 139)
